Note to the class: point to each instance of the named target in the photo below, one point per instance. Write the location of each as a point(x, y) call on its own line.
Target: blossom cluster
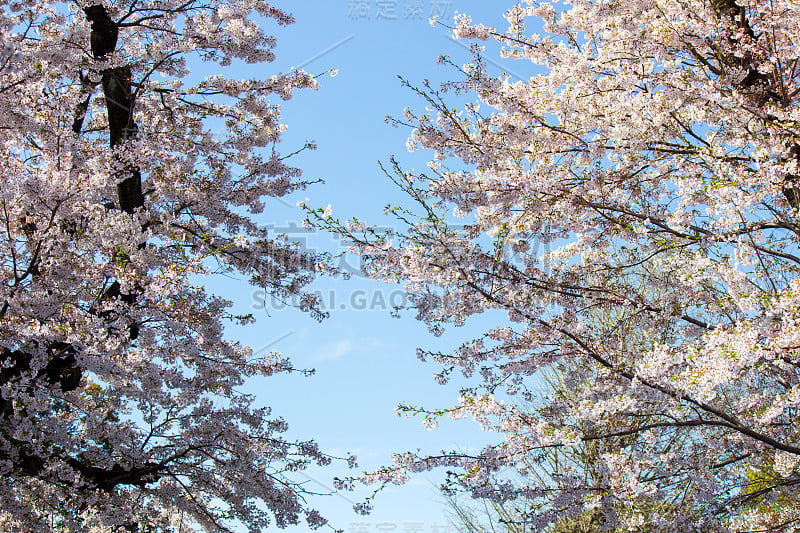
point(649, 379)
point(119, 394)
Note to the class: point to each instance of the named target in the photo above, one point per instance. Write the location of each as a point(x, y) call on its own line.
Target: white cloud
point(334, 350)
point(339, 349)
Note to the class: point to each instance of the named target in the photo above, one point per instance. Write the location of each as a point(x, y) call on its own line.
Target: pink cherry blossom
point(125, 180)
point(632, 208)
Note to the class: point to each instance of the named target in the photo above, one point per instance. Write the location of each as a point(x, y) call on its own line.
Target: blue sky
point(364, 359)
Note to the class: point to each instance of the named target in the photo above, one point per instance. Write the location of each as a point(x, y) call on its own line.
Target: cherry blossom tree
point(631, 210)
point(127, 177)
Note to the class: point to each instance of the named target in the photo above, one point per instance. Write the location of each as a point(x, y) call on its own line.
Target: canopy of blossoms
point(124, 180)
point(633, 209)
